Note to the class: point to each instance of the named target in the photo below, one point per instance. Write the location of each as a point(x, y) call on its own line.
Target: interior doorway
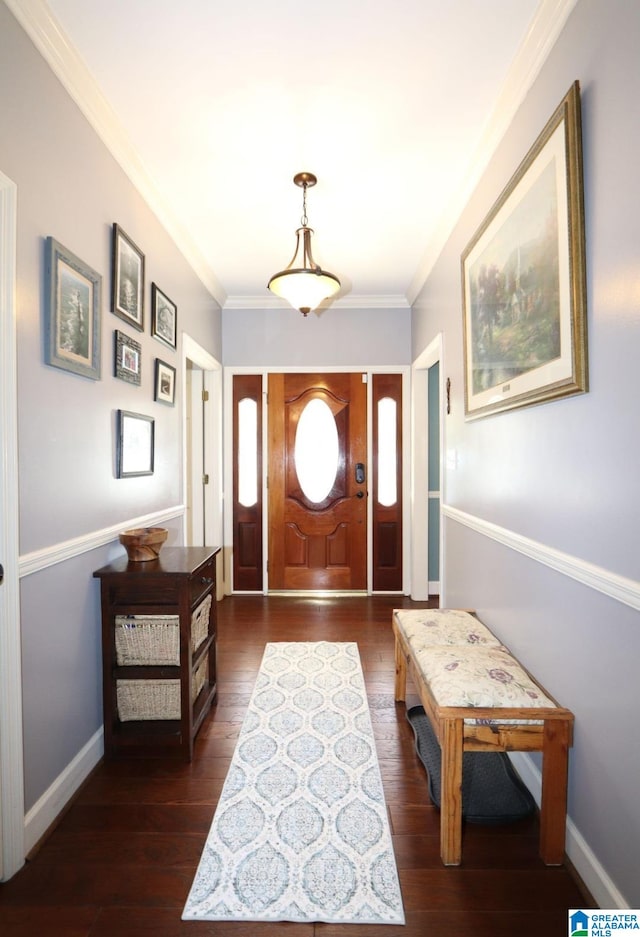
point(434, 475)
point(11, 749)
point(202, 450)
point(426, 480)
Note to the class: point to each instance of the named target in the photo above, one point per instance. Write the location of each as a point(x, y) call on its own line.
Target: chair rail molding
point(60, 552)
point(602, 580)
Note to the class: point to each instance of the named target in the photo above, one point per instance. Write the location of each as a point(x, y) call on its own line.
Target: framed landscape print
point(127, 279)
point(135, 444)
point(73, 297)
point(165, 383)
point(128, 358)
point(164, 317)
point(523, 279)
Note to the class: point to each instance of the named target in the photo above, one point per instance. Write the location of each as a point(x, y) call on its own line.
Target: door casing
point(11, 746)
point(420, 469)
point(228, 459)
point(202, 432)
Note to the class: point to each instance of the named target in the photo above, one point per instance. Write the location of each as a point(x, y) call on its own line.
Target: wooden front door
point(317, 520)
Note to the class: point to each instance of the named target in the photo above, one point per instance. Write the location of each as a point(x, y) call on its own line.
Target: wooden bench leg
point(553, 808)
point(401, 675)
point(451, 792)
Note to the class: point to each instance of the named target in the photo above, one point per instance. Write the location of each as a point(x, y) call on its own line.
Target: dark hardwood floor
point(122, 859)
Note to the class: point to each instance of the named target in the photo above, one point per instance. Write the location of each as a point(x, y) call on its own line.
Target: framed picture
point(73, 303)
point(127, 279)
point(165, 383)
point(127, 358)
point(164, 317)
point(523, 279)
point(135, 444)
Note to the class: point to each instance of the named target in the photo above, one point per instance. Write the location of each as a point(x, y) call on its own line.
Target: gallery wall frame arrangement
point(127, 358)
point(73, 303)
point(135, 444)
point(164, 317)
point(165, 383)
point(524, 280)
point(127, 279)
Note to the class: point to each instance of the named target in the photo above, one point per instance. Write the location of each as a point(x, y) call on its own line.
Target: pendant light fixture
point(303, 283)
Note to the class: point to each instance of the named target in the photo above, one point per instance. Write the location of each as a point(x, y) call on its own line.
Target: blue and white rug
point(301, 830)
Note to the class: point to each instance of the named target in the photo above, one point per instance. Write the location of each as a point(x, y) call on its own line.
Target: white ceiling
point(214, 105)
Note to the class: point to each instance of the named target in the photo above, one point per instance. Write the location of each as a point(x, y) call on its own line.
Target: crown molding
point(45, 32)
point(351, 301)
point(534, 50)
point(55, 47)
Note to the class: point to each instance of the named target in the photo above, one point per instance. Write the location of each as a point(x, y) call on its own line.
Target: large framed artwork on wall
point(523, 279)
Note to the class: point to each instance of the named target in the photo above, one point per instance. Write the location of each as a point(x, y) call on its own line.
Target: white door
point(11, 753)
point(202, 448)
point(194, 438)
point(422, 522)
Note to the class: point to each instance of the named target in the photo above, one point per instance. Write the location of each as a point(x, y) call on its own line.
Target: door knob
point(360, 494)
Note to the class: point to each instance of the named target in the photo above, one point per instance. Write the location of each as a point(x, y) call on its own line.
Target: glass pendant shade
point(304, 286)
point(303, 283)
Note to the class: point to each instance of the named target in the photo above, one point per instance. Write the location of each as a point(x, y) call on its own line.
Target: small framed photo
point(164, 317)
point(127, 279)
point(165, 384)
point(135, 444)
point(72, 313)
point(128, 358)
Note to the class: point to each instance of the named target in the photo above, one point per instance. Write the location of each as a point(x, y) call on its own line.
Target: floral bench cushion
point(425, 627)
point(473, 676)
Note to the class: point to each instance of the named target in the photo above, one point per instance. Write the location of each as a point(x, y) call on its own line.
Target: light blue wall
point(71, 188)
point(335, 337)
point(560, 480)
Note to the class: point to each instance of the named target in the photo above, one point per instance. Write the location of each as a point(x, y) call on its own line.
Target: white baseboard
point(48, 808)
point(582, 857)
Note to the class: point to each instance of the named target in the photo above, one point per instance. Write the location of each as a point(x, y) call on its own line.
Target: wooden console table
point(158, 651)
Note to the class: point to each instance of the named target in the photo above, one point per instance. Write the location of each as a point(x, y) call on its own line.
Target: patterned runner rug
point(301, 831)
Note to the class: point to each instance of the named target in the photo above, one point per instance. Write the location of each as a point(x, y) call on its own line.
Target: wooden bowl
point(143, 543)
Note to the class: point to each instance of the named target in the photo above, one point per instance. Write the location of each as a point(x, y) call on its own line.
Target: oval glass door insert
point(317, 451)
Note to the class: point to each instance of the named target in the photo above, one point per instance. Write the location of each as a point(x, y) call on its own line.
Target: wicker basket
point(200, 678)
point(147, 639)
point(200, 623)
point(147, 700)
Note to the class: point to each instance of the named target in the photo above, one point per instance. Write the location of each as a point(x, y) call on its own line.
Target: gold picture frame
point(523, 279)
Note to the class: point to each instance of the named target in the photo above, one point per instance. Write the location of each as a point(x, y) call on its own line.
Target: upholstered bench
point(478, 697)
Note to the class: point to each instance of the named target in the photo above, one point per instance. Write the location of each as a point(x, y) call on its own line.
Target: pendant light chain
point(304, 220)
